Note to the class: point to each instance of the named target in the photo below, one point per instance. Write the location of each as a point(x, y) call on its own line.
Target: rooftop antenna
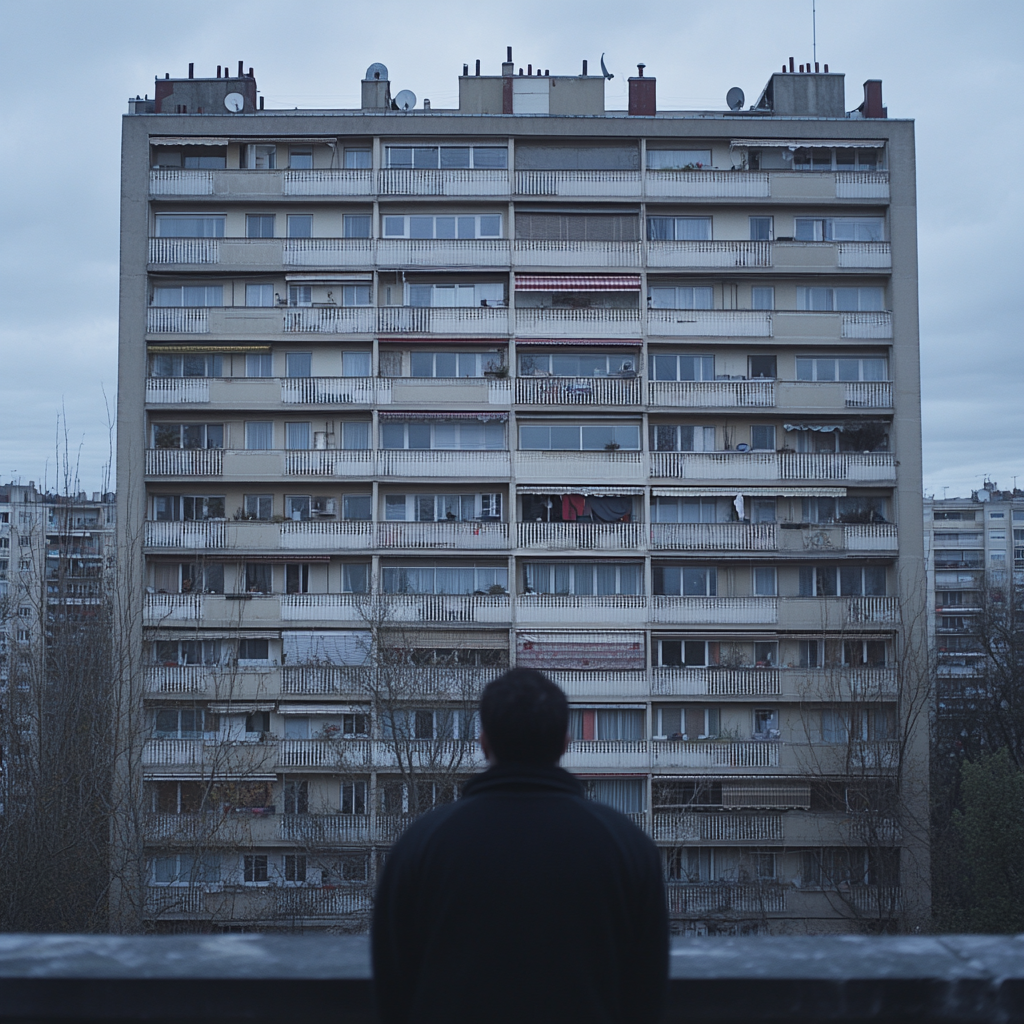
point(944, 490)
point(814, 29)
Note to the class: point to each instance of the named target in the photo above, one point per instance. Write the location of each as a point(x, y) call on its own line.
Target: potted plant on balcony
point(612, 446)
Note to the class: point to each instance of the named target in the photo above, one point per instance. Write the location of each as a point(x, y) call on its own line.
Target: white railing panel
point(745, 466)
point(399, 181)
point(611, 754)
point(338, 754)
point(580, 467)
point(156, 752)
point(578, 183)
point(710, 754)
point(862, 610)
point(715, 826)
point(172, 607)
point(613, 683)
point(869, 395)
point(326, 536)
point(714, 536)
point(871, 537)
point(852, 466)
point(181, 183)
point(447, 607)
point(429, 319)
point(443, 252)
point(577, 390)
point(442, 536)
point(177, 390)
point(583, 536)
point(184, 250)
point(869, 255)
point(866, 325)
point(708, 184)
point(331, 462)
point(720, 682)
point(712, 394)
point(669, 610)
point(540, 253)
point(177, 320)
point(862, 184)
point(317, 829)
point(402, 462)
point(322, 679)
point(709, 254)
point(325, 607)
point(328, 182)
point(193, 535)
point(354, 320)
point(328, 252)
point(327, 902)
point(709, 323)
point(184, 461)
point(715, 898)
point(177, 678)
point(571, 610)
point(329, 390)
point(590, 323)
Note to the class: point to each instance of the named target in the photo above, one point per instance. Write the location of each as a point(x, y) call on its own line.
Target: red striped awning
point(439, 339)
point(485, 417)
point(577, 282)
point(601, 343)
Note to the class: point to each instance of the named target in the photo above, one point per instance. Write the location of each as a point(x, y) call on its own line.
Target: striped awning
point(442, 340)
point(240, 707)
point(577, 282)
point(601, 343)
point(810, 143)
point(483, 417)
point(321, 709)
point(212, 776)
point(598, 492)
point(214, 350)
point(186, 633)
point(750, 492)
point(318, 278)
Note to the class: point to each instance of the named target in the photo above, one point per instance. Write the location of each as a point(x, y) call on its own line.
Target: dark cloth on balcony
point(522, 902)
point(573, 506)
point(610, 509)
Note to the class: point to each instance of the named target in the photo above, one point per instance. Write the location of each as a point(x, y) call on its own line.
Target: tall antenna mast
point(814, 29)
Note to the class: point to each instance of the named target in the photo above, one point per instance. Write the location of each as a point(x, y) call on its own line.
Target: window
point(358, 159)
point(350, 867)
point(853, 509)
point(577, 364)
point(205, 158)
point(186, 652)
point(296, 578)
point(355, 507)
point(188, 507)
point(189, 225)
point(864, 653)
point(969, 517)
point(762, 510)
point(355, 225)
point(455, 295)
point(766, 724)
point(580, 438)
point(997, 535)
point(296, 796)
point(259, 225)
point(622, 724)
point(762, 438)
point(685, 653)
point(189, 295)
point(452, 435)
point(188, 435)
point(355, 435)
point(300, 295)
point(259, 435)
point(484, 225)
point(674, 437)
point(452, 364)
point(766, 653)
point(809, 654)
point(300, 158)
point(624, 795)
point(841, 299)
point(297, 507)
point(259, 578)
point(679, 229)
point(447, 579)
point(255, 868)
point(355, 295)
point(257, 722)
point(762, 367)
point(259, 295)
point(353, 797)
point(674, 366)
point(355, 364)
point(253, 649)
point(683, 297)
point(997, 515)
point(840, 229)
point(183, 723)
point(762, 297)
point(685, 581)
point(259, 364)
point(355, 578)
point(761, 229)
point(431, 508)
point(678, 159)
point(765, 584)
point(584, 579)
point(296, 728)
point(354, 724)
point(295, 867)
point(261, 158)
point(851, 368)
point(692, 510)
point(186, 869)
point(258, 506)
point(186, 366)
point(843, 580)
point(445, 157)
point(300, 225)
point(24, 635)
point(298, 364)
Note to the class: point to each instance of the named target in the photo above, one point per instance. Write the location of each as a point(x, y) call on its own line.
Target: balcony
point(218, 610)
point(479, 608)
point(817, 540)
point(699, 255)
point(743, 537)
point(312, 535)
point(160, 608)
point(801, 326)
point(824, 256)
point(544, 467)
point(402, 182)
point(442, 536)
point(716, 682)
point(576, 323)
point(577, 391)
point(530, 252)
point(195, 756)
point(327, 462)
point(824, 613)
point(443, 253)
point(610, 683)
point(579, 610)
point(318, 830)
point(333, 391)
point(834, 397)
point(325, 536)
point(578, 183)
point(723, 898)
point(709, 323)
point(488, 465)
point(854, 467)
point(708, 184)
point(192, 535)
point(712, 394)
point(332, 320)
point(327, 182)
point(405, 391)
point(717, 827)
point(582, 536)
point(442, 320)
point(351, 680)
point(177, 390)
point(314, 182)
point(607, 755)
point(678, 611)
point(712, 754)
point(178, 678)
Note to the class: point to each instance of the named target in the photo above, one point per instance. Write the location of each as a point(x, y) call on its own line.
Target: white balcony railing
point(712, 898)
point(869, 255)
point(194, 535)
point(590, 323)
point(184, 250)
point(851, 466)
point(670, 610)
point(442, 536)
point(328, 182)
point(862, 184)
point(157, 752)
point(867, 325)
point(577, 391)
point(712, 394)
point(613, 754)
point(337, 754)
point(326, 536)
point(709, 323)
point(172, 607)
point(711, 754)
point(443, 252)
point(410, 463)
point(578, 183)
point(863, 610)
point(317, 829)
point(582, 536)
point(869, 395)
point(329, 462)
point(716, 827)
point(612, 683)
point(330, 390)
point(571, 609)
point(316, 320)
point(440, 319)
point(396, 607)
point(750, 466)
point(709, 254)
point(328, 252)
point(177, 320)
point(402, 182)
point(713, 537)
point(717, 682)
point(444, 390)
point(174, 182)
point(330, 901)
point(871, 537)
point(177, 390)
point(177, 678)
point(529, 252)
point(184, 461)
point(708, 184)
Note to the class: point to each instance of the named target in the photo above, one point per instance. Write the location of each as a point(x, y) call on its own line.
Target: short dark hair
point(525, 717)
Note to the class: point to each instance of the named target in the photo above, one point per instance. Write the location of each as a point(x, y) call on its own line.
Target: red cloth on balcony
point(573, 506)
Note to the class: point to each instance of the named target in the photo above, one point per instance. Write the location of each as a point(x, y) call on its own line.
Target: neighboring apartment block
point(410, 395)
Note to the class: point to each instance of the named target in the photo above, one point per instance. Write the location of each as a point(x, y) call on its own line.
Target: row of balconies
point(271, 254)
point(787, 326)
point(361, 683)
point(444, 536)
point(225, 611)
point(538, 467)
point(780, 185)
point(249, 393)
point(191, 756)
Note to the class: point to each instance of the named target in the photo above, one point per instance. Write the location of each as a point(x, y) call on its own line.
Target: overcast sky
point(67, 69)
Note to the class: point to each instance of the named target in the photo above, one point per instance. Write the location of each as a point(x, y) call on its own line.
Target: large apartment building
point(408, 395)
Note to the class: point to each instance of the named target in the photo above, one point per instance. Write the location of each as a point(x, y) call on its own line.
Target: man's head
point(524, 717)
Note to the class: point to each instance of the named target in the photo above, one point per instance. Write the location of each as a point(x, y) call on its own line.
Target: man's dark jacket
point(522, 902)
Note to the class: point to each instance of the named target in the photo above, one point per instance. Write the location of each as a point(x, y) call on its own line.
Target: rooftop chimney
point(642, 97)
point(872, 105)
point(508, 68)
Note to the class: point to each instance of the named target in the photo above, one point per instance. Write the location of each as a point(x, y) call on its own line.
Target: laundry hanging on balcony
point(577, 282)
point(823, 428)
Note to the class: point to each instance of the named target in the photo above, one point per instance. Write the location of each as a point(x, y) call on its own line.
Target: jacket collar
point(529, 777)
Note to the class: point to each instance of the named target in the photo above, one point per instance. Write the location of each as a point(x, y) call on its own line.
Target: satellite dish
point(734, 97)
point(604, 70)
point(377, 71)
point(406, 99)
point(234, 101)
